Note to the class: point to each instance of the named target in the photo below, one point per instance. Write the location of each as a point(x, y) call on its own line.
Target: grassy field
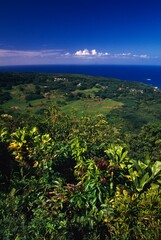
point(87, 105)
point(80, 107)
point(91, 106)
point(88, 92)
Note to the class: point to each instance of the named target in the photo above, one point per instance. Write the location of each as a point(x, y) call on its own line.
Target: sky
point(80, 32)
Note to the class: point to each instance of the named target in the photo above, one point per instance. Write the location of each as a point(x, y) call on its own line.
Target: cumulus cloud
point(92, 53)
point(51, 56)
point(84, 52)
point(80, 53)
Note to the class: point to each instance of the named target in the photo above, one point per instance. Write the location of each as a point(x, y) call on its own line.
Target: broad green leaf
point(138, 168)
point(133, 177)
point(142, 165)
point(156, 168)
point(123, 156)
point(144, 180)
point(154, 186)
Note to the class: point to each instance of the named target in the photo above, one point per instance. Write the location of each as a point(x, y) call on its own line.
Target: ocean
point(150, 75)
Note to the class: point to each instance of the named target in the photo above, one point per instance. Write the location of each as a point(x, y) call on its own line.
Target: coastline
point(148, 74)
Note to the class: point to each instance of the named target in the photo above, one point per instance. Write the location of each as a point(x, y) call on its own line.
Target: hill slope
point(126, 101)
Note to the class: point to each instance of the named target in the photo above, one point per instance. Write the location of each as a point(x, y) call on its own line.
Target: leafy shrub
point(74, 179)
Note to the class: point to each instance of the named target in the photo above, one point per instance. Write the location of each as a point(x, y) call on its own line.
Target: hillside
point(126, 101)
point(80, 158)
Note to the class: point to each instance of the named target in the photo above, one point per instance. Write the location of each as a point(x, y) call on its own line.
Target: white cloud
point(84, 52)
point(107, 54)
point(130, 55)
point(25, 57)
point(144, 56)
point(67, 54)
point(101, 54)
point(126, 54)
point(26, 53)
point(4, 53)
point(94, 52)
point(59, 56)
point(122, 55)
point(16, 53)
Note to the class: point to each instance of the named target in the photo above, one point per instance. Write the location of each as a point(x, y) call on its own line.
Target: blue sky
point(80, 32)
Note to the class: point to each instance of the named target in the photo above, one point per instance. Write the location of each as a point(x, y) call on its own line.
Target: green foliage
point(144, 174)
point(146, 142)
point(131, 104)
point(30, 148)
point(64, 177)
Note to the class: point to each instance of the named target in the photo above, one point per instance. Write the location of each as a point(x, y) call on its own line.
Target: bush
point(74, 179)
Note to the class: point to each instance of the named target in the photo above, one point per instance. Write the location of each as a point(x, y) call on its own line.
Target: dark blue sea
point(150, 75)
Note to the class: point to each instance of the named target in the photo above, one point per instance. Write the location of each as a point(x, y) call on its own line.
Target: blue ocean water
point(150, 75)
